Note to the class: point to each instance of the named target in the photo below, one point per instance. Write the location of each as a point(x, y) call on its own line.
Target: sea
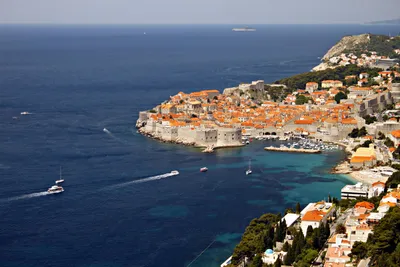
point(83, 87)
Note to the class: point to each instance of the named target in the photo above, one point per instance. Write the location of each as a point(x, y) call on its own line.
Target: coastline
point(366, 176)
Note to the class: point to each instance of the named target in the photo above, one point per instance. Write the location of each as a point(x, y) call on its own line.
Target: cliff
point(348, 43)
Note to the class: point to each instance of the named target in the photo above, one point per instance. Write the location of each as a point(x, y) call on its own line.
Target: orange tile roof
point(365, 204)
point(313, 215)
point(359, 159)
point(378, 183)
point(396, 133)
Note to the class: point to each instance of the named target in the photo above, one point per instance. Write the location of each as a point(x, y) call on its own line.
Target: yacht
point(244, 29)
point(204, 169)
point(61, 180)
point(249, 171)
point(174, 172)
point(55, 189)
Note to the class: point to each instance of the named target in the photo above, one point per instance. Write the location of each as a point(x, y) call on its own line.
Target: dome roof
point(269, 252)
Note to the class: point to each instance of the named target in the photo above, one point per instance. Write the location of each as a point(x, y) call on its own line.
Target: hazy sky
point(195, 12)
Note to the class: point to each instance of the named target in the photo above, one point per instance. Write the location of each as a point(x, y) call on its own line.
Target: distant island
point(386, 22)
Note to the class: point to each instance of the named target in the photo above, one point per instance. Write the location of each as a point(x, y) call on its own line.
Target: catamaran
point(249, 171)
point(61, 180)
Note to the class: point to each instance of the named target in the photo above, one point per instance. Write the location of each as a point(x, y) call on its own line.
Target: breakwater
point(294, 150)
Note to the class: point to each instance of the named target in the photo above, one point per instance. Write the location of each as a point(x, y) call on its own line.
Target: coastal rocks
point(322, 66)
point(342, 168)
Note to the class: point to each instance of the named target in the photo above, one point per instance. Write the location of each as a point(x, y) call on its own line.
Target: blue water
point(77, 80)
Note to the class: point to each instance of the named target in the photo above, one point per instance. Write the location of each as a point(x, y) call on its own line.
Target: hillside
point(367, 48)
point(348, 43)
point(383, 45)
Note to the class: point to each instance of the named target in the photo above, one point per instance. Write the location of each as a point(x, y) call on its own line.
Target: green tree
point(359, 250)
point(381, 136)
point(298, 208)
point(278, 263)
point(388, 142)
point(340, 229)
point(257, 261)
point(286, 247)
point(362, 132)
point(339, 96)
point(310, 231)
point(301, 99)
point(369, 119)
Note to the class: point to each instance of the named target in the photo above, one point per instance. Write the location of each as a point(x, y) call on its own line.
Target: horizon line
point(182, 24)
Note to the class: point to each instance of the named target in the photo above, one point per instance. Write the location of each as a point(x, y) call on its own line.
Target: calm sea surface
point(78, 80)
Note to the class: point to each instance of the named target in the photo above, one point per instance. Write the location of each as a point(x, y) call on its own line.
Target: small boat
point(247, 142)
point(249, 171)
point(174, 172)
point(55, 189)
point(61, 180)
point(204, 169)
point(25, 113)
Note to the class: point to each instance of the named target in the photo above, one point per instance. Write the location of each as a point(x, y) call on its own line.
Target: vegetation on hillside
point(383, 246)
point(358, 132)
point(299, 81)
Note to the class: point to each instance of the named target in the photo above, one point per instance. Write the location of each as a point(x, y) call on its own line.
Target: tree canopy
point(339, 96)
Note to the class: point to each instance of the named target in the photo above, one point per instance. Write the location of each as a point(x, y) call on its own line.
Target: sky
point(197, 12)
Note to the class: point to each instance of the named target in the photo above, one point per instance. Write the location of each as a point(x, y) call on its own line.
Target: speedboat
point(25, 113)
point(204, 169)
point(174, 172)
point(55, 189)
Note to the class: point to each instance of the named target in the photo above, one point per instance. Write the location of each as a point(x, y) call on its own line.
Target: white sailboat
point(249, 171)
point(61, 180)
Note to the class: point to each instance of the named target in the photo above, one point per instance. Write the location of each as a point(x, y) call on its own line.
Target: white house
point(376, 189)
point(314, 214)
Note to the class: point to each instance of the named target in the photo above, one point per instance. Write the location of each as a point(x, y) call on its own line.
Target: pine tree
point(286, 247)
point(298, 208)
point(327, 230)
point(329, 198)
point(309, 231)
point(278, 263)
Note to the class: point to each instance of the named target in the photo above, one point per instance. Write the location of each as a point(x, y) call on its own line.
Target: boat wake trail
point(113, 136)
point(45, 193)
point(144, 180)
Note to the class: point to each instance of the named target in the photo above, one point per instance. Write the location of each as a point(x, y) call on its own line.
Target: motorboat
point(249, 171)
point(174, 172)
point(25, 113)
point(61, 180)
point(204, 169)
point(55, 189)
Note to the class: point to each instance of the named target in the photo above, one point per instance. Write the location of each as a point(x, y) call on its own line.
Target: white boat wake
point(113, 136)
point(45, 193)
point(144, 180)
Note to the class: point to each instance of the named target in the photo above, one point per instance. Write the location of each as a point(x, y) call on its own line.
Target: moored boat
point(61, 180)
